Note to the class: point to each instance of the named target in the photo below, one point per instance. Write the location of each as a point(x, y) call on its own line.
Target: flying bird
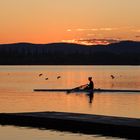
point(58, 77)
point(40, 74)
point(46, 78)
point(112, 76)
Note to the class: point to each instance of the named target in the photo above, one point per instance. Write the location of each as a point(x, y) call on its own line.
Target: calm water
point(16, 95)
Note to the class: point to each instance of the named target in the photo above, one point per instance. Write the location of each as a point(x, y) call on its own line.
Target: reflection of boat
point(83, 90)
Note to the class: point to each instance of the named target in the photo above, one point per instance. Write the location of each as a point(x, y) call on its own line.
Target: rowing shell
point(81, 90)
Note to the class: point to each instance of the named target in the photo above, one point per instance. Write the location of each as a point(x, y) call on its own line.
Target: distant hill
point(121, 53)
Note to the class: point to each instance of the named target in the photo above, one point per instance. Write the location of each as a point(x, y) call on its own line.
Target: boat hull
point(82, 90)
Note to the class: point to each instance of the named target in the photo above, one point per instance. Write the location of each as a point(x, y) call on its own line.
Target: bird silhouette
point(40, 74)
point(46, 78)
point(112, 76)
point(58, 77)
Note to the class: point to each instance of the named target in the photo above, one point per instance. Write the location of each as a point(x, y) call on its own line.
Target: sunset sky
point(47, 21)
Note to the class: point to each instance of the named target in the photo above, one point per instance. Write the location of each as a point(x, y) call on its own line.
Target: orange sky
point(46, 21)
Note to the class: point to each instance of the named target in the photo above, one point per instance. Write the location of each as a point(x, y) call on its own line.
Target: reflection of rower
point(90, 96)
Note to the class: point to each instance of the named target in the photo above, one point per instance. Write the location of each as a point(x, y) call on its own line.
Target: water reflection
point(90, 97)
point(17, 84)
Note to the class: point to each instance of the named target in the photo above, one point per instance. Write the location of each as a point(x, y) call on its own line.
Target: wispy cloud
point(81, 30)
point(92, 41)
point(69, 30)
point(69, 41)
point(97, 41)
point(90, 34)
point(95, 29)
point(105, 29)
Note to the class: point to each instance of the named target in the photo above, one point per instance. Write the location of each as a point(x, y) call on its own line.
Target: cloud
point(108, 29)
point(90, 34)
point(69, 30)
point(81, 30)
point(97, 41)
point(69, 41)
point(96, 29)
point(92, 41)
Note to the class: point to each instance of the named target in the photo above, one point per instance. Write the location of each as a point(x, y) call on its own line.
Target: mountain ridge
point(120, 53)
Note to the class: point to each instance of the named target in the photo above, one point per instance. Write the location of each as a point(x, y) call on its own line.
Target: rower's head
point(89, 78)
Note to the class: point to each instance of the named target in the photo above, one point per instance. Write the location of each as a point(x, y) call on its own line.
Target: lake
point(16, 95)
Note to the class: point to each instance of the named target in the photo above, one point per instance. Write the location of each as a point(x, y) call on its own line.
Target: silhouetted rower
point(90, 86)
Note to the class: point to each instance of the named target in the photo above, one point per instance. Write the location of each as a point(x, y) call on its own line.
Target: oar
point(80, 87)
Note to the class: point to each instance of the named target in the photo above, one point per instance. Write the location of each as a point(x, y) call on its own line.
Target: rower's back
point(91, 84)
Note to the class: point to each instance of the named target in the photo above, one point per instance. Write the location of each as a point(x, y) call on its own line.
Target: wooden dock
point(75, 122)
